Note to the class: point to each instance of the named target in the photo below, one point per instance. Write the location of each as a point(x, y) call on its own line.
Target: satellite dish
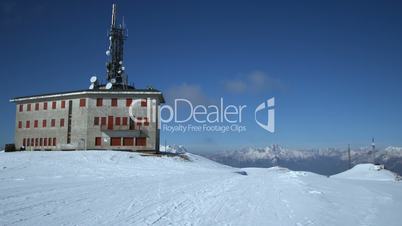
point(91, 86)
point(122, 68)
point(107, 52)
point(120, 62)
point(93, 79)
point(113, 80)
point(109, 85)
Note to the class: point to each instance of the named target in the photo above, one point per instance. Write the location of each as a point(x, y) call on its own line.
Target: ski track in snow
point(118, 188)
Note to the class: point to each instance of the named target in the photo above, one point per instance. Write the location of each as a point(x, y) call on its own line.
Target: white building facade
point(89, 119)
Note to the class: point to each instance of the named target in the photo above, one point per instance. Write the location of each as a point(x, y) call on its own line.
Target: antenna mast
point(114, 66)
point(349, 157)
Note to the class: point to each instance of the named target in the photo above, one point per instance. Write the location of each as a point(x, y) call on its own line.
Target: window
point(128, 102)
point(96, 121)
point(62, 122)
point(54, 141)
point(118, 121)
point(128, 141)
point(99, 102)
point(115, 141)
point(44, 141)
point(143, 102)
point(82, 102)
point(19, 124)
point(54, 103)
point(139, 121)
point(32, 142)
point(21, 107)
point(37, 107)
point(49, 141)
point(27, 124)
point(36, 142)
point(63, 104)
point(146, 122)
point(28, 142)
point(36, 123)
point(98, 141)
point(45, 106)
point(24, 142)
point(40, 141)
point(103, 121)
point(114, 102)
point(140, 141)
point(124, 121)
point(44, 123)
point(53, 123)
point(28, 107)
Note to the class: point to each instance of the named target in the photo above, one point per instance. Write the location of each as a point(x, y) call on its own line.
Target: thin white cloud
point(253, 82)
point(191, 92)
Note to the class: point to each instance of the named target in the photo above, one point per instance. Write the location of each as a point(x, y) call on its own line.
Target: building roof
point(89, 91)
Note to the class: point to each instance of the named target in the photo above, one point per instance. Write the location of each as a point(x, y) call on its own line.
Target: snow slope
point(367, 172)
point(121, 188)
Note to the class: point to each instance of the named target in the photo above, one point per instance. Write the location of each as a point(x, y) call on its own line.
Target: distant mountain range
point(327, 161)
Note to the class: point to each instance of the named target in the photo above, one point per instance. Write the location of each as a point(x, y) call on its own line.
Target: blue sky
point(334, 67)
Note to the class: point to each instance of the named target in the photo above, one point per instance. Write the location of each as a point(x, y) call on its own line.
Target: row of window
point(39, 142)
point(113, 102)
point(99, 103)
point(36, 106)
point(44, 123)
point(123, 141)
point(120, 121)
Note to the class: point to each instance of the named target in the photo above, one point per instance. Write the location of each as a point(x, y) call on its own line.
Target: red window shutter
point(103, 121)
point(140, 141)
point(99, 102)
point(115, 141)
point(37, 107)
point(63, 104)
point(53, 123)
point(124, 121)
point(49, 141)
point(21, 107)
point(54, 104)
point(36, 123)
point(45, 106)
point(40, 141)
point(143, 102)
point(110, 123)
point(62, 122)
point(44, 123)
point(28, 107)
point(27, 124)
point(19, 124)
point(36, 142)
point(98, 141)
point(117, 121)
point(54, 141)
point(44, 141)
point(24, 142)
point(82, 102)
point(128, 141)
point(114, 102)
point(96, 121)
point(128, 102)
point(146, 122)
point(139, 121)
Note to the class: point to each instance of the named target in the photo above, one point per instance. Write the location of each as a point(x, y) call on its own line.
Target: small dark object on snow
point(10, 148)
point(244, 173)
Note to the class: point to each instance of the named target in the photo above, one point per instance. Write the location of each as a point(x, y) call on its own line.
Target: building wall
point(83, 130)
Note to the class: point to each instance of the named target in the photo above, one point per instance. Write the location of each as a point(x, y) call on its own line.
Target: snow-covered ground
point(121, 188)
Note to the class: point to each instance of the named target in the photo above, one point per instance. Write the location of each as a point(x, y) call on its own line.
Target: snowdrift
point(367, 172)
